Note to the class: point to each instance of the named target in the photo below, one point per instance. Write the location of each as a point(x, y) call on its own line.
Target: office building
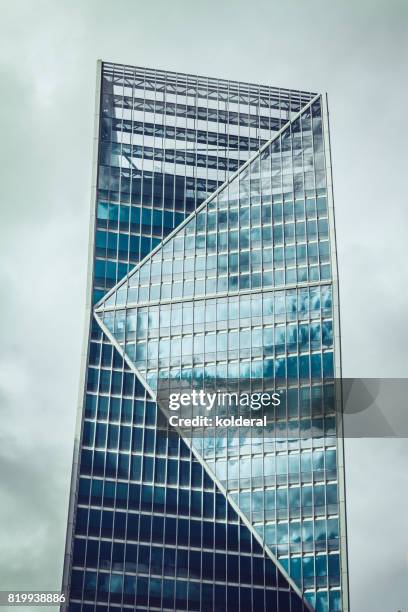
point(212, 255)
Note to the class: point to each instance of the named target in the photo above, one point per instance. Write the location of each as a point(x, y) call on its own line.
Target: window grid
point(162, 191)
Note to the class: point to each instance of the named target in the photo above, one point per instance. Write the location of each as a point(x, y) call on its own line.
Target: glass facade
point(213, 256)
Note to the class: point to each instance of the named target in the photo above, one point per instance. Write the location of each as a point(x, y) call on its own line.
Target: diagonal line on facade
point(209, 296)
point(99, 305)
point(204, 465)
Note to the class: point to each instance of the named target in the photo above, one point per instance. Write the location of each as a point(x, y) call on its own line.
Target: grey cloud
point(356, 51)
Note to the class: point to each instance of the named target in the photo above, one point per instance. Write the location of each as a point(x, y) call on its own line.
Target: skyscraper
point(212, 254)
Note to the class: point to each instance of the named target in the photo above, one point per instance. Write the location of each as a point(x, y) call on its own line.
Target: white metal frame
point(85, 348)
point(210, 296)
point(337, 364)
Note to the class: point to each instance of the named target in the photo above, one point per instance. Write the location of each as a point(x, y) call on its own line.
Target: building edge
point(344, 575)
point(85, 347)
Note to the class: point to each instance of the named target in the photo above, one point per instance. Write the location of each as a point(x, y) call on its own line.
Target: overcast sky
point(354, 50)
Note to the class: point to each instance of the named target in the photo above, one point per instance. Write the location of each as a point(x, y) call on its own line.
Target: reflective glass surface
point(242, 289)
